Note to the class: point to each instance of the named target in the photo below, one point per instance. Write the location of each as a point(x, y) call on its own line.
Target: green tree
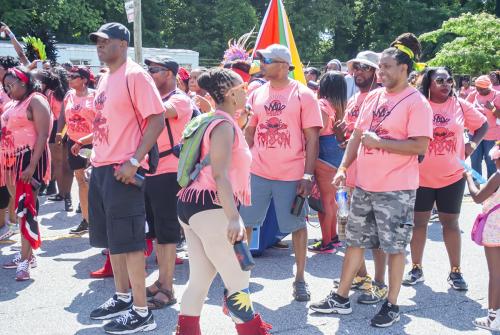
point(469, 44)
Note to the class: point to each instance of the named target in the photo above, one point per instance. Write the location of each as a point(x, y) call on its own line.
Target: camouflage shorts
point(381, 220)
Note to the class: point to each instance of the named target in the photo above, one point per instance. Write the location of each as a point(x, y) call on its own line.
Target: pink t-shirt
point(350, 117)
point(327, 108)
point(182, 104)
point(255, 84)
point(4, 99)
point(479, 101)
point(55, 105)
point(280, 117)
point(464, 92)
point(79, 113)
point(116, 129)
point(239, 170)
point(440, 166)
point(396, 116)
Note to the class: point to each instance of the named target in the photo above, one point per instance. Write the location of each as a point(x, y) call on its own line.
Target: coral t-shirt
point(79, 113)
point(116, 125)
point(4, 99)
point(395, 116)
point(479, 101)
point(440, 166)
point(326, 107)
point(280, 116)
point(184, 108)
point(350, 117)
point(55, 105)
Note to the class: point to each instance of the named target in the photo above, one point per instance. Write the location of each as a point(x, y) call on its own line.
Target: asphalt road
point(60, 296)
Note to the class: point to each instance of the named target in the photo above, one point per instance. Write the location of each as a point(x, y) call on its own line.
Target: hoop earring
point(429, 95)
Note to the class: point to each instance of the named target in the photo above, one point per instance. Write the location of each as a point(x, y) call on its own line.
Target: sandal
point(159, 304)
point(150, 294)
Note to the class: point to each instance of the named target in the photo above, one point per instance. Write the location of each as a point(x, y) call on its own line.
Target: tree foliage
point(467, 44)
point(323, 29)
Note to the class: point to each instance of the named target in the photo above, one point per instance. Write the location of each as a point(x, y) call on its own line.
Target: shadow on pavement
point(53, 248)
point(296, 314)
point(8, 291)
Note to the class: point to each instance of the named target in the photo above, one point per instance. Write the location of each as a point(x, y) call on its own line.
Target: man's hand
point(370, 140)
point(304, 188)
point(125, 173)
point(468, 149)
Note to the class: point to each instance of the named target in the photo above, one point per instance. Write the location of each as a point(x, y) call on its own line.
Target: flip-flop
point(150, 294)
point(159, 304)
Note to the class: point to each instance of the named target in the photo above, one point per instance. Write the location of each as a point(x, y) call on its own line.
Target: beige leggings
point(209, 253)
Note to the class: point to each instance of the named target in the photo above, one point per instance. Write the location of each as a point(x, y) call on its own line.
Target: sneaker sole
point(78, 232)
point(456, 288)
point(386, 325)
point(419, 280)
point(145, 328)
point(345, 311)
point(367, 302)
point(110, 316)
point(323, 251)
point(485, 327)
point(15, 266)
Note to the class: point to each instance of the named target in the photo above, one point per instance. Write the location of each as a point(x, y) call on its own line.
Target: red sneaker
point(105, 271)
point(178, 261)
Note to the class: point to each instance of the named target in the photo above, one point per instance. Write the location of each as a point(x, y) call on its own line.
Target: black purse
point(154, 152)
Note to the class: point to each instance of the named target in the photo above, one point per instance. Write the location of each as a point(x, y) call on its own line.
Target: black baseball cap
point(165, 61)
point(112, 30)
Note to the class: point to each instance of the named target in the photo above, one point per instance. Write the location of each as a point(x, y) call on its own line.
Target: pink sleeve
point(473, 119)
point(182, 105)
point(420, 118)
point(470, 97)
point(365, 115)
point(254, 120)
point(310, 112)
point(146, 97)
point(496, 100)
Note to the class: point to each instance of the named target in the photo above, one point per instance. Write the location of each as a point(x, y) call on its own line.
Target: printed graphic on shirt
point(379, 115)
point(77, 123)
point(273, 132)
point(352, 117)
point(444, 141)
point(7, 141)
point(100, 126)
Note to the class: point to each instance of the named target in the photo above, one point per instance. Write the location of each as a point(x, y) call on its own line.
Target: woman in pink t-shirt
point(441, 180)
point(78, 116)
point(333, 99)
point(200, 97)
point(25, 159)
point(208, 211)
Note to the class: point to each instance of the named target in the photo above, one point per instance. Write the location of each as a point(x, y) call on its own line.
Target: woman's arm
point(221, 143)
point(40, 115)
point(17, 46)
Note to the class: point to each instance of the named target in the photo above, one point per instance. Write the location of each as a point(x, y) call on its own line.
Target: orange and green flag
point(275, 29)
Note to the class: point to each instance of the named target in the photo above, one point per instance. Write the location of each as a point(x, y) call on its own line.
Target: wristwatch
point(134, 162)
point(309, 177)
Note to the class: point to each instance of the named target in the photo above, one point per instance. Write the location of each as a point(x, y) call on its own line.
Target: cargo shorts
point(381, 220)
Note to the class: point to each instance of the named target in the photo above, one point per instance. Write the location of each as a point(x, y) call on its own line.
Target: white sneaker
point(17, 259)
point(490, 322)
point(5, 232)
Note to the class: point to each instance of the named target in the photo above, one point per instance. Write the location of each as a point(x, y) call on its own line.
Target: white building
point(79, 54)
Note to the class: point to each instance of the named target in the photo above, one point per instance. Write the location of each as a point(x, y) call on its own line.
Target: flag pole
point(138, 31)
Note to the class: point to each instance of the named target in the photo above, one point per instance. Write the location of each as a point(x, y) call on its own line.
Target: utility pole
point(138, 31)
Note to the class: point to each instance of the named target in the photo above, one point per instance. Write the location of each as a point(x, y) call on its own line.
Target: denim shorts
point(329, 150)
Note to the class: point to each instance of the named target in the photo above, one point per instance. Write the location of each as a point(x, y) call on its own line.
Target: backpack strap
point(169, 129)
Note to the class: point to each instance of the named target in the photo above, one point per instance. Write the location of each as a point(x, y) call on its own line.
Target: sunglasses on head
point(267, 61)
point(156, 69)
point(442, 81)
point(361, 67)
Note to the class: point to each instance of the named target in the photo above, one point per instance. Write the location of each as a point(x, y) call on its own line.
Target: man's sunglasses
point(441, 81)
point(361, 67)
point(156, 69)
point(267, 61)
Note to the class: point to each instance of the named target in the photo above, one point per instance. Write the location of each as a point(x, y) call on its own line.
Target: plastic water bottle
point(476, 175)
point(342, 212)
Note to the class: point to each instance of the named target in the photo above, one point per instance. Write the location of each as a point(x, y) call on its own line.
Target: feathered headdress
point(237, 50)
point(35, 46)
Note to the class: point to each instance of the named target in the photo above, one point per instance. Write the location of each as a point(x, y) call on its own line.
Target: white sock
point(125, 297)
point(142, 311)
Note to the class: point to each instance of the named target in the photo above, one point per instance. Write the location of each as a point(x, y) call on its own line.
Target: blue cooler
point(268, 234)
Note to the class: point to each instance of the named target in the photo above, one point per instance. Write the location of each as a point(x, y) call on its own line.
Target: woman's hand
point(58, 139)
point(236, 231)
point(27, 174)
point(340, 177)
point(75, 149)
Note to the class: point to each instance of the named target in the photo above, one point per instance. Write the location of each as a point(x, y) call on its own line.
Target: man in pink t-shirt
point(487, 101)
point(162, 187)
point(283, 135)
point(394, 127)
point(129, 119)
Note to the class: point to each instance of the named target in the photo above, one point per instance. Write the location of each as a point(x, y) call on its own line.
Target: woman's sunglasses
point(74, 76)
point(441, 81)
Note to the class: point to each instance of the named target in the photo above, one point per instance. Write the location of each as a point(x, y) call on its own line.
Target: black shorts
point(4, 198)
point(76, 162)
point(161, 208)
point(117, 218)
point(53, 133)
point(186, 209)
point(448, 199)
point(24, 160)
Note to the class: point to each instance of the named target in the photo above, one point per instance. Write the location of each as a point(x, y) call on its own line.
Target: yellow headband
point(405, 49)
point(419, 67)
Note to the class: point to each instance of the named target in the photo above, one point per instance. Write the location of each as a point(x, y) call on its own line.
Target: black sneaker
point(456, 280)
point(332, 304)
point(68, 204)
point(416, 275)
point(82, 228)
point(111, 309)
point(131, 322)
point(79, 209)
point(387, 316)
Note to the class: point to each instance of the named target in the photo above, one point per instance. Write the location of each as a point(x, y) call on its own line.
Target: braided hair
point(217, 82)
point(8, 62)
point(409, 41)
point(56, 80)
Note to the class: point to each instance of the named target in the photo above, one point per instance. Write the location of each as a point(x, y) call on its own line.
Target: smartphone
point(297, 205)
point(39, 65)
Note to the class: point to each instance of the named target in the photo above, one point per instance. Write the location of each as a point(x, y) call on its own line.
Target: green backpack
point(192, 137)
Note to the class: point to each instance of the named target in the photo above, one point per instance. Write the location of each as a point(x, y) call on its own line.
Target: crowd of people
point(392, 134)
